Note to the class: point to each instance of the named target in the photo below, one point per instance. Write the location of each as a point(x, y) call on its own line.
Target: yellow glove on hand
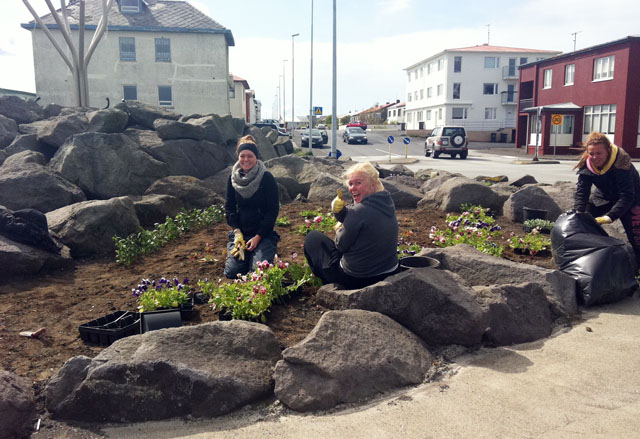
point(603, 220)
point(238, 245)
point(338, 203)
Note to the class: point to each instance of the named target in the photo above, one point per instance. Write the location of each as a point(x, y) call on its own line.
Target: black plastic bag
point(603, 267)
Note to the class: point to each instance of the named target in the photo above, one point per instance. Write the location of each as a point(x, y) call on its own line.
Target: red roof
point(243, 81)
point(487, 48)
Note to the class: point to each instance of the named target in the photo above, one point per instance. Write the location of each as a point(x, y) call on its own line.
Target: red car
point(358, 123)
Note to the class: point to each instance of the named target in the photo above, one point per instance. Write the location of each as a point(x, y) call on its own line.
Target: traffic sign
point(406, 140)
point(317, 111)
point(391, 139)
point(556, 119)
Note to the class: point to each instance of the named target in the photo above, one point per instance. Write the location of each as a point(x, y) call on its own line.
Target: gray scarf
point(247, 184)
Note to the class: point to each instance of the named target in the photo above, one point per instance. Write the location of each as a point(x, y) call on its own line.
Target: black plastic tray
point(111, 327)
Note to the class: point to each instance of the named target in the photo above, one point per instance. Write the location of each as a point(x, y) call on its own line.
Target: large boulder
point(107, 165)
point(218, 182)
point(20, 110)
point(222, 130)
point(403, 196)
point(197, 158)
point(406, 180)
point(8, 131)
point(532, 197)
point(201, 371)
point(193, 192)
point(17, 406)
point(22, 259)
point(155, 208)
point(88, 227)
point(107, 121)
point(57, 130)
point(145, 138)
point(480, 269)
point(30, 142)
point(297, 174)
point(266, 151)
point(434, 179)
point(323, 189)
point(25, 158)
point(171, 129)
point(284, 146)
point(563, 193)
point(35, 186)
point(434, 304)
point(452, 193)
point(145, 114)
point(349, 356)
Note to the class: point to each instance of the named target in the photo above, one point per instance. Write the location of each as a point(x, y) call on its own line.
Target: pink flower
point(317, 219)
point(294, 255)
point(307, 222)
point(281, 265)
point(263, 290)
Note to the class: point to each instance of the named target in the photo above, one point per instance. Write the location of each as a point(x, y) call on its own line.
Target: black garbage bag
point(603, 267)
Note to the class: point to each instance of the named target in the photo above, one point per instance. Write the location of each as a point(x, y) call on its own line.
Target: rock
point(412, 182)
point(193, 193)
point(266, 151)
point(171, 129)
point(403, 196)
point(480, 269)
point(532, 197)
point(20, 110)
point(297, 174)
point(492, 180)
point(145, 114)
point(452, 193)
point(197, 158)
point(22, 259)
point(434, 304)
point(324, 188)
point(35, 186)
point(145, 138)
point(29, 142)
point(24, 158)
point(51, 110)
point(220, 130)
point(516, 313)
point(8, 131)
point(56, 131)
point(27, 226)
point(3, 156)
point(218, 182)
point(202, 371)
point(17, 406)
point(285, 144)
point(349, 356)
point(107, 121)
point(107, 165)
point(563, 193)
point(88, 227)
point(527, 179)
point(436, 179)
point(401, 170)
point(155, 208)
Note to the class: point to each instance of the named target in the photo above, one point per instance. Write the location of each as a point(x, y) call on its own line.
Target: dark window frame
point(127, 43)
point(163, 55)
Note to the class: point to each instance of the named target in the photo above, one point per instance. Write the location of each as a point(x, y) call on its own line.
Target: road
point(487, 159)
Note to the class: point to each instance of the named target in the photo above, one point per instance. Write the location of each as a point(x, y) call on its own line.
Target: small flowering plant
point(406, 248)
point(164, 293)
point(532, 243)
point(315, 220)
point(474, 226)
point(542, 224)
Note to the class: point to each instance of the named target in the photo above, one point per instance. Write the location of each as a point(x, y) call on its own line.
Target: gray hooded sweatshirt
point(368, 239)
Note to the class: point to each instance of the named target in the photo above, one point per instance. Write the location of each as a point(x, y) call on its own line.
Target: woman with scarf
point(251, 208)
point(617, 187)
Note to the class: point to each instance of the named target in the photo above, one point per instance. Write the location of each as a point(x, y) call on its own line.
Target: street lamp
point(284, 89)
point(334, 104)
point(311, 84)
point(293, 107)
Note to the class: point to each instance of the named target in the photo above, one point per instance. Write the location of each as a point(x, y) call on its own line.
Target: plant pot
point(186, 310)
point(529, 214)
point(160, 319)
point(419, 262)
point(110, 328)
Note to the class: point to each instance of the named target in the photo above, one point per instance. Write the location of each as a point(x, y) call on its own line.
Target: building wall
point(237, 104)
point(197, 73)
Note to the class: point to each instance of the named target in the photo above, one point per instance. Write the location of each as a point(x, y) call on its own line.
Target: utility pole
point(575, 34)
point(293, 84)
point(284, 88)
point(311, 86)
point(488, 34)
point(334, 106)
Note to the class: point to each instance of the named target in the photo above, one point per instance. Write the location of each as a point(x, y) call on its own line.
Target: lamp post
point(311, 86)
point(284, 89)
point(293, 107)
point(278, 95)
point(334, 104)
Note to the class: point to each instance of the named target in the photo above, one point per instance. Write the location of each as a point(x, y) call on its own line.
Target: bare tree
point(79, 61)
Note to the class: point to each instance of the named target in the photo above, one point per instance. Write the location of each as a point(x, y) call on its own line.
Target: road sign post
point(556, 121)
point(406, 142)
point(390, 139)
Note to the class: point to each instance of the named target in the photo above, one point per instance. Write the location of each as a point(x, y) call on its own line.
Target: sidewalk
point(583, 382)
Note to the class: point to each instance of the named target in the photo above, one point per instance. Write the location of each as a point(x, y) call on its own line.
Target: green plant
point(532, 243)
point(540, 223)
point(164, 293)
point(283, 221)
point(406, 248)
point(474, 226)
point(146, 241)
point(314, 220)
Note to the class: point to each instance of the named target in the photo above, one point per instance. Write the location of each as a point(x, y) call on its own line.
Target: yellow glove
point(238, 253)
point(338, 203)
point(603, 220)
point(238, 245)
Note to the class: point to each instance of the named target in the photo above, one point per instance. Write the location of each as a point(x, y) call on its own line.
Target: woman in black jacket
point(617, 187)
point(251, 209)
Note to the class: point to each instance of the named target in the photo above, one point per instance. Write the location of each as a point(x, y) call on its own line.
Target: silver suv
point(450, 140)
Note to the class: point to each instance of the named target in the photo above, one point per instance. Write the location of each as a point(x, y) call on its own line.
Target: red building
point(594, 89)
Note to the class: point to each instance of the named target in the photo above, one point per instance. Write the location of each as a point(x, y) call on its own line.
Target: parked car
point(358, 124)
point(354, 135)
point(274, 126)
point(450, 140)
point(322, 126)
point(316, 138)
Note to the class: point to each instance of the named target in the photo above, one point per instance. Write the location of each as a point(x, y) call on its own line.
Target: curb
point(536, 162)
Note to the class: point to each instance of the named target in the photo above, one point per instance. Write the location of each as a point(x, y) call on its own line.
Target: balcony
point(509, 97)
point(526, 103)
point(510, 72)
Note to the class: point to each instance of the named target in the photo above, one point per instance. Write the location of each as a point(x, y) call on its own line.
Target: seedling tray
point(110, 328)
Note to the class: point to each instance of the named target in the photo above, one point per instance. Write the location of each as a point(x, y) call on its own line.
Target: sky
point(376, 40)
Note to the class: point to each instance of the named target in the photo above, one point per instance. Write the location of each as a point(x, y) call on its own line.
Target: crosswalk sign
point(317, 111)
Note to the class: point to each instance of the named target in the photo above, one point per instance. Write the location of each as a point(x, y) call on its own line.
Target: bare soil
point(63, 300)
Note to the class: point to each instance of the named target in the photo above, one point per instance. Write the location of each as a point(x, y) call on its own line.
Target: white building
point(160, 52)
point(475, 87)
point(242, 103)
point(395, 113)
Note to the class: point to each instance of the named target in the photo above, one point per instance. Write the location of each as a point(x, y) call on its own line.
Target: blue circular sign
point(390, 139)
point(406, 140)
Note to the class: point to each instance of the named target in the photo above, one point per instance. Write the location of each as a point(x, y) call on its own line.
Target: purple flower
point(185, 281)
point(176, 281)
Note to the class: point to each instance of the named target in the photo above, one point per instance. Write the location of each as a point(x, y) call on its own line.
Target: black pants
point(630, 221)
point(324, 259)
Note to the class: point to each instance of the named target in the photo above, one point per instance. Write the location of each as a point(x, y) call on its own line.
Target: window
point(440, 64)
point(603, 68)
point(415, 95)
point(569, 71)
point(489, 113)
point(421, 72)
point(164, 95)
point(491, 62)
point(409, 97)
point(456, 90)
point(408, 76)
point(458, 113)
point(440, 87)
point(419, 118)
point(546, 79)
point(163, 49)
point(421, 93)
point(566, 127)
point(429, 67)
point(129, 6)
point(601, 118)
point(457, 64)
point(429, 92)
point(415, 74)
point(130, 92)
point(489, 89)
point(440, 113)
point(232, 91)
point(409, 116)
point(127, 49)
point(523, 60)
point(428, 114)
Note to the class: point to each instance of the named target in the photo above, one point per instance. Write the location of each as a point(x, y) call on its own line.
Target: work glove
point(603, 220)
point(238, 245)
point(338, 203)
